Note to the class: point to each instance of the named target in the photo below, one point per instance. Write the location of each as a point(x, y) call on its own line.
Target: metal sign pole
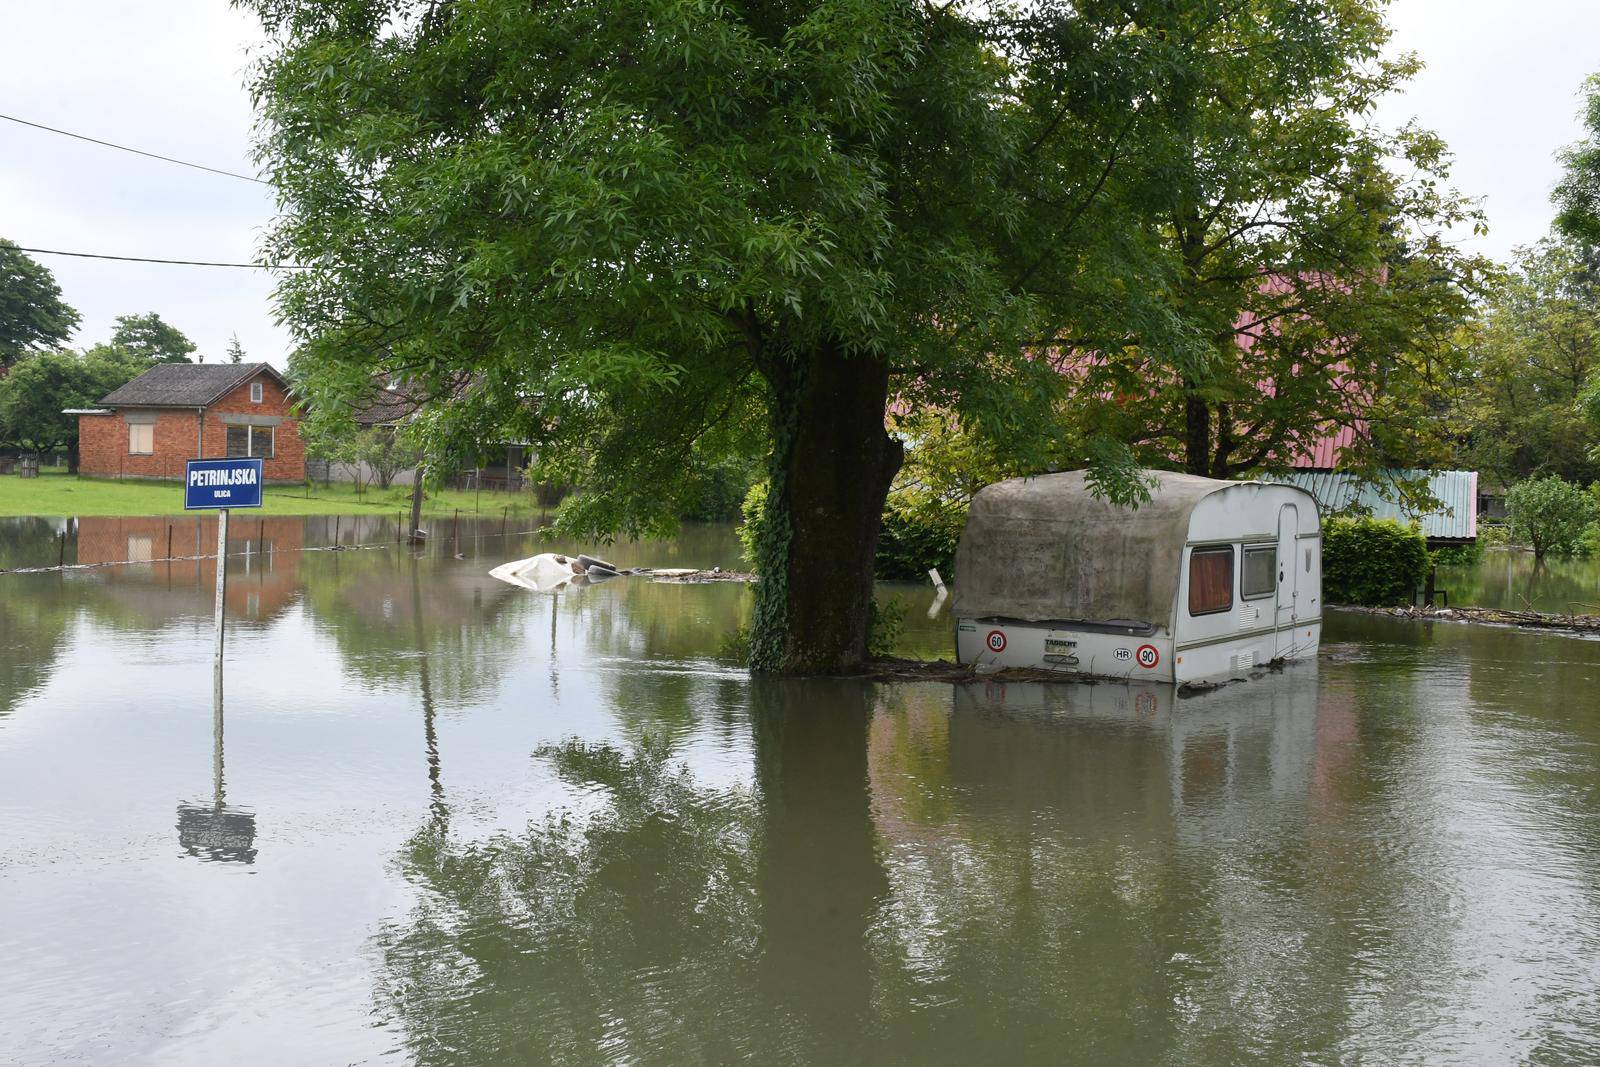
point(215, 829)
point(222, 585)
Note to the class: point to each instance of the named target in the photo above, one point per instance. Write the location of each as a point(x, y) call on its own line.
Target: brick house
point(175, 412)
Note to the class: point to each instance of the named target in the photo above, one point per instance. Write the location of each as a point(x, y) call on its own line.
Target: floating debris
point(679, 574)
point(1527, 620)
point(549, 571)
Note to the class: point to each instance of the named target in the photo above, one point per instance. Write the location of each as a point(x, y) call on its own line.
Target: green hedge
point(1371, 561)
point(914, 536)
point(914, 539)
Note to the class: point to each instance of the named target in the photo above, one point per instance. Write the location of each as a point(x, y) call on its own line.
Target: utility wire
point(172, 262)
point(135, 151)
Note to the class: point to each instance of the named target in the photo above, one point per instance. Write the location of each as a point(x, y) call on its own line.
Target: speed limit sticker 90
point(996, 641)
point(1147, 656)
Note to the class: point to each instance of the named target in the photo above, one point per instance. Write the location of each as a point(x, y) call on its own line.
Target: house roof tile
point(185, 385)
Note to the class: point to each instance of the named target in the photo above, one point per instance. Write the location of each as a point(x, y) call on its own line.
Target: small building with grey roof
point(175, 412)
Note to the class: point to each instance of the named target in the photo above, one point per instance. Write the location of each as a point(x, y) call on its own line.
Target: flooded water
point(445, 820)
point(1510, 578)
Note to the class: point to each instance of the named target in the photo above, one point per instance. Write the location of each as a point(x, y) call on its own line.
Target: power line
point(135, 151)
point(171, 262)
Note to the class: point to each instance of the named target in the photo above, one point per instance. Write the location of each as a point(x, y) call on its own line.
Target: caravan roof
point(1046, 548)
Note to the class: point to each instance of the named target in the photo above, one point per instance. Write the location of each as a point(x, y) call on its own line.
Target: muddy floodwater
point(446, 820)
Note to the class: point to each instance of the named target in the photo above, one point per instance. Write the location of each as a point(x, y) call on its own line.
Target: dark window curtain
point(1210, 580)
point(238, 442)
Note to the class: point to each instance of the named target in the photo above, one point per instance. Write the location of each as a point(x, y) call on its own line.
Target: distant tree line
point(40, 375)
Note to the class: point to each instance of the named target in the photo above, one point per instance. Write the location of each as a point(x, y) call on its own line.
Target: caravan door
point(1288, 613)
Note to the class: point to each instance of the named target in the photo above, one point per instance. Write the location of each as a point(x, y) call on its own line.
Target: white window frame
point(255, 392)
point(1272, 586)
point(144, 427)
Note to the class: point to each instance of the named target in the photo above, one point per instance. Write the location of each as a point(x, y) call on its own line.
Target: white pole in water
point(222, 585)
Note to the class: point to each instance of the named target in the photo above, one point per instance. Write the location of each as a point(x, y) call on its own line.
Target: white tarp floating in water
point(549, 571)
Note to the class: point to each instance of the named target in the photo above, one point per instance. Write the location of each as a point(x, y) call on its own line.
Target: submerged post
point(416, 503)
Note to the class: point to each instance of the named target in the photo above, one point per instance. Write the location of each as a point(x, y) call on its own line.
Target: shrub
point(915, 536)
point(1457, 555)
point(1550, 513)
point(885, 624)
point(755, 502)
point(1371, 561)
point(1494, 535)
point(1589, 543)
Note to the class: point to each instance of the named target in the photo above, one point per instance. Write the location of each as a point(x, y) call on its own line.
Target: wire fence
point(119, 542)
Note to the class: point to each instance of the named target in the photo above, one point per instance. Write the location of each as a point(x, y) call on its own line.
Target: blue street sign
point(222, 483)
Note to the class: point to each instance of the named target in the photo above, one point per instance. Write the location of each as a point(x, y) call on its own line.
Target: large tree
point(1534, 351)
point(40, 386)
point(1577, 194)
point(33, 317)
point(615, 229)
point(151, 337)
point(1308, 245)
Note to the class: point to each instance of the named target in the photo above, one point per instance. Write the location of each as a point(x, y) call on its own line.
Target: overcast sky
point(1501, 87)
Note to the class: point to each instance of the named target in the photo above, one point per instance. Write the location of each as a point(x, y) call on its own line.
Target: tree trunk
point(1196, 433)
point(1222, 460)
point(831, 468)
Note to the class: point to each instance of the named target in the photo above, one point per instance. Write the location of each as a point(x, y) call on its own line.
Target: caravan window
point(1210, 580)
point(1257, 578)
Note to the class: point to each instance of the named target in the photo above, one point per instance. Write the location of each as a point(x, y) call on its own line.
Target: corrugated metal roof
point(1457, 492)
point(1324, 452)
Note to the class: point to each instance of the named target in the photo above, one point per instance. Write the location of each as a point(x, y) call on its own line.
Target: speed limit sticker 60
point(996, 641)
point(1147, 656)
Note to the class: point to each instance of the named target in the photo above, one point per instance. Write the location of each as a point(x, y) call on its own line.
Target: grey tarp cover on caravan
point(1046, 548)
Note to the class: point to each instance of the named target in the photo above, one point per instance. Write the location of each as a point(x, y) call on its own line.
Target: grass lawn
point(58, 493)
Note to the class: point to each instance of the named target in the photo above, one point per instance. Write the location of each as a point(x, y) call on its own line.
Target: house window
point(1210, 580)
point(1258, 577)
point(255, 392)
point(250, 442)
point(141, 439)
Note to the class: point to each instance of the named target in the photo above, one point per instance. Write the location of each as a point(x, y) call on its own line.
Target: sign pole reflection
point(216, 831)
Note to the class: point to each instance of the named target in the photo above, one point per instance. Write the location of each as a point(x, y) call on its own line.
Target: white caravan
point(1205, 581)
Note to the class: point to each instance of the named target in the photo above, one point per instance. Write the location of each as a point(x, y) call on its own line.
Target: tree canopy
point(1577, 194)
point(1308, 247)
point(40, 386)
point(152, 338)
point(625, 232)
point(1534, 351)
point(1550, 513)
point(33, 316)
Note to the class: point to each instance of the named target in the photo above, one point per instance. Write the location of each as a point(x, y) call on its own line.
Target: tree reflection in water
point(913, 874)
point(667, 920)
